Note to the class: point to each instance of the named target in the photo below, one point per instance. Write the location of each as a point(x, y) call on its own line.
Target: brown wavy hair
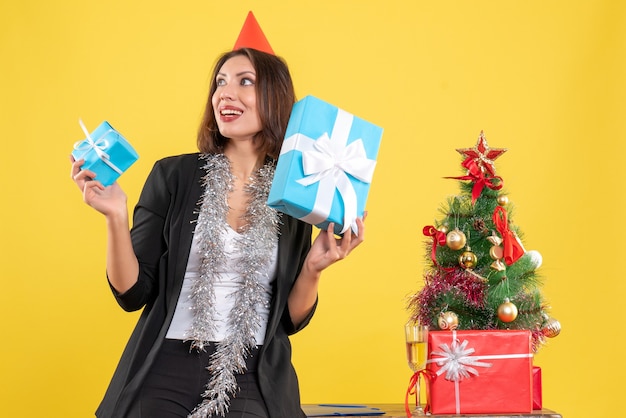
point(275, 97)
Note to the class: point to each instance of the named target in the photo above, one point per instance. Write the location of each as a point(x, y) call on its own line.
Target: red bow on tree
point(513, 248)
point(475, 174)
point(438, 238)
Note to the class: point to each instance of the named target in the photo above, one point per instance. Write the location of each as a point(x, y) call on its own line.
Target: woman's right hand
point(110, 201)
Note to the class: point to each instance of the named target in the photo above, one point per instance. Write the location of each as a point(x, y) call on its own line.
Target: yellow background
point(544, 79)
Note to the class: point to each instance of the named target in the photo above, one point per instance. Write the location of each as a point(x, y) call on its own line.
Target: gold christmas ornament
point(494, 239)
point(444, 229)
point(498, 265)
point(448, 321)
point(496, 253)
point(551, 328)
point(507, 311)
point(456, 239)
point(468, 260)
point(502, 200)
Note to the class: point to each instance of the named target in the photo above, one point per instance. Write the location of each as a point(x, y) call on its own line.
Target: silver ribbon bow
point(457, 362)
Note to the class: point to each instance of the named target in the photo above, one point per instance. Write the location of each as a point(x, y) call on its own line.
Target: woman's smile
point(235, 99)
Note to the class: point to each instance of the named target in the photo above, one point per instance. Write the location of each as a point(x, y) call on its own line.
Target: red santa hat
point(251, 36)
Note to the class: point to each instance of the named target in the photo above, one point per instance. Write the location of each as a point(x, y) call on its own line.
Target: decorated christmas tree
point(479, 276)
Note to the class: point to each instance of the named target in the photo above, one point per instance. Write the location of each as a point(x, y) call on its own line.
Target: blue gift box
point(325, 167)
point(106, 152)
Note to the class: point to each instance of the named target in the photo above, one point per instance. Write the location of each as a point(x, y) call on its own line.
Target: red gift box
point(537, 399)
point(477, 372)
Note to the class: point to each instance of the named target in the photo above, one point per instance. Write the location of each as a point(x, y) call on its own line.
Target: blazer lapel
point(187, 220)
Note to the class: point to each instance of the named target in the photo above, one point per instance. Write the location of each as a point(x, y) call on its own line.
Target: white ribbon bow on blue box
point(325, 166)
point(106, 152)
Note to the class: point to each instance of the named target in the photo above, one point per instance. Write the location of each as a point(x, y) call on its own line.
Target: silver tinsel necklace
point(256, 243)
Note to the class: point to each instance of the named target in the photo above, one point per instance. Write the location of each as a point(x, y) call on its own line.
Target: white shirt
point(225, 286)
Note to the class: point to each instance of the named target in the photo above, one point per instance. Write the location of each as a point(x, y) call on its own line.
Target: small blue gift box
point(325, 166)
point(106, 153)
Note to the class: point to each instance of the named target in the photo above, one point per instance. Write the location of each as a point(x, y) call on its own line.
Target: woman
point(222, 279)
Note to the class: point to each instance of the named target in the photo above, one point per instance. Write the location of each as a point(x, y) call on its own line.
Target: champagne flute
point(416, 337)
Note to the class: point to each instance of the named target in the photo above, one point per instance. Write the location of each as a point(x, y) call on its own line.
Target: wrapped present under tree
point(476, 372)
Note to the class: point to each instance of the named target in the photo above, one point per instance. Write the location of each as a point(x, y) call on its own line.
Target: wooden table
point(397, 411)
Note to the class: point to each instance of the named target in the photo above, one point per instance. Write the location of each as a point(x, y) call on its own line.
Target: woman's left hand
point(327, 249)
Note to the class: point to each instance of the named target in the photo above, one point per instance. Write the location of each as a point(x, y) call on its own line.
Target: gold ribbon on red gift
point(412, 389)
point(475, 174)
point(513, 248)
